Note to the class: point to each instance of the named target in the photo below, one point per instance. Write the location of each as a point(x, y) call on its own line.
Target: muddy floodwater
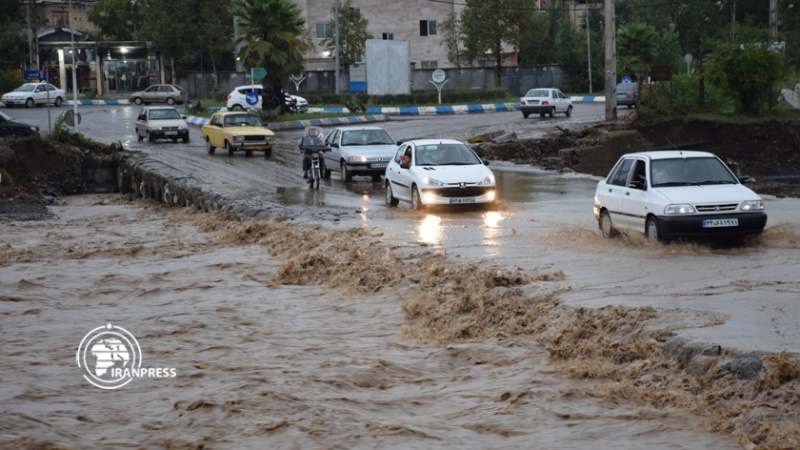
point(260, 363)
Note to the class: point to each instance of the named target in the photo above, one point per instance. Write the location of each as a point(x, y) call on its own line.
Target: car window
point(216, 121)
point(538, 93)
point(445, 155)
point(332, 137)
point(242, 120)
point(399, 153)
point(639, 179)
point(164, 114)
point(143, 115)
point(690, 172)
point(619, 177)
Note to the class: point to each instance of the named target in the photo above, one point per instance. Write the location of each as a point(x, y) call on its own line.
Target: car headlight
point(679, 209)
point(752, 205)
point(432, 182)
point(238, 138)
point(357, 159)
point(489, 180)
point(35, 129)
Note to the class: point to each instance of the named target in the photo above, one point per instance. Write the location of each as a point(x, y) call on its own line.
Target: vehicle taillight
point(545, 102)
point(229, 96)
point(522, 102)
point(630, 95)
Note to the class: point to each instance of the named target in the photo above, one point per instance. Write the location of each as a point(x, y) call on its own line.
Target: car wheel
point(137, 101)
point(327, 173)
point(139, 136)
point(210, 148)
point(170, 101)
point(553, 111)
point(230, 148)
point(651, 230)
point(267, 153)
point(58, 102)
point(237, 107)
point(29, 103)
point(346, 174)
point(541, 114)
point(525, 115)
point(606, 226)
point(150, 137)
point(390, 200)
point(186, 139)
point(174, 139)
point(248, 153)
point(376, 178)
point(569, 111)
point(416, 201)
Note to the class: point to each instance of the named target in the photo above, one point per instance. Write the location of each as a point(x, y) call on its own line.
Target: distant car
point(161, 122)
point(237, 99)
point(628, 95)
point(545, 101)
point(237, 131)
point(170, 94)
point(440, 172)
point(10, 127)
point(359, 150)
point(672, 194)
point(30, 94)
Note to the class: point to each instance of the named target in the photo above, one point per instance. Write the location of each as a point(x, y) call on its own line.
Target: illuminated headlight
point(432, 182)
point(35, 128)
point(679, 209)
point(428, 198)
point(357, 159)
point(489, 180)
point(490, 195)
point(752, 205)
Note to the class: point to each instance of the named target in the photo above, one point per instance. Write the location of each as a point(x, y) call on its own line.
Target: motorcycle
point(313, 148)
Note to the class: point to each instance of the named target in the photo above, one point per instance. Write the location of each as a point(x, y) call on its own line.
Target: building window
point(322, 29)
point(388, 36)
point(427, 28)
point(429, 64)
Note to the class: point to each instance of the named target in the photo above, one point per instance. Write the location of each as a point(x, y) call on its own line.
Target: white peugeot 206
point(676, 193)
point(438, 172)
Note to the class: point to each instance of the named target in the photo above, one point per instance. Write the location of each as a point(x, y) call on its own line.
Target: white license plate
point(462, 200)
point(715, 223)
point(377, 166)
point(171, 133)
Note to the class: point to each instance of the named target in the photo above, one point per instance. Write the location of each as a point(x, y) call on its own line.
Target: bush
point(681, 96)
point(8, 82)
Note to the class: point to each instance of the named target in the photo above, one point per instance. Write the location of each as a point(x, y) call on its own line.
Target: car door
point(400, 178)
point(636, 198)
point(214, 131)
point(332, 142)
point(561, 102)
point(141, 123)
point(40, 95)
point(611, 191)
point(150, 94)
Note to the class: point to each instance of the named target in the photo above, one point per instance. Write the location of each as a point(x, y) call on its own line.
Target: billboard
point(388, 67)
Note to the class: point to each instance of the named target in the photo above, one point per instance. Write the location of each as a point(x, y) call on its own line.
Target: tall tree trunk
point(498, 67)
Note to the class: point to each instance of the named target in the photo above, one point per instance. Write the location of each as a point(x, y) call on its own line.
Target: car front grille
point(171, 128)
point(259, 138)
point(461, 192)
point(717, 208)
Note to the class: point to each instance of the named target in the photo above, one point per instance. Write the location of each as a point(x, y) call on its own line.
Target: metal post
point(588, 49)
point(30, 36)
point(75, 116)
point(773, 20)
point(336, 55)
point(611, 60)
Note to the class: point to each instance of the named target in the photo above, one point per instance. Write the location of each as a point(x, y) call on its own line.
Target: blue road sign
point(626, 79)
point(251, 98)
point(34, 75)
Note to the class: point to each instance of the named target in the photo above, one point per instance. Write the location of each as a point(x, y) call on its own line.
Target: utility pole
point(336, 54)
point(588, 49)
point(30, 36)
point(75, 117)
point(733, 21)
point(611, 60)
point(773, 20)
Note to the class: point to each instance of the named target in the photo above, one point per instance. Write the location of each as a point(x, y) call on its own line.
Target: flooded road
point(265, 365)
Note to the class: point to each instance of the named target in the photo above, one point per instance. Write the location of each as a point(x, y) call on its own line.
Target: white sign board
point(438, 75)
point(388, 67)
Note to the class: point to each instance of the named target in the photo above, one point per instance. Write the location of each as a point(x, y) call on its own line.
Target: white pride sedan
point(30, 94)
point(438, 172)
point(676, 193)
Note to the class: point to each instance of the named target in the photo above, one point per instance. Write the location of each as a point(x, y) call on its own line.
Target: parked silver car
point(170, 94)
point(161, 122)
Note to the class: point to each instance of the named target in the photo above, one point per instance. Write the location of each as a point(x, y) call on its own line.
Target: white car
point(676, 193)
point(161, 122)
point(438, 172)
point(545, 101)
point(30, 94)
point(359, 150)
point(237, 99)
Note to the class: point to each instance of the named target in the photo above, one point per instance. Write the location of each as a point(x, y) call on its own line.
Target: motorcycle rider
point(311, 139)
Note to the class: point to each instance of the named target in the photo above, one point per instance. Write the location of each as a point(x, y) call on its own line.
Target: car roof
point(417, 142)
point(360, 127)
point(670, 154)
point(158, 107)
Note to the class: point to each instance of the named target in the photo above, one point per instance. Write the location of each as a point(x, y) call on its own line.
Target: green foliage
point(196, 109)
point(354, 103)
point(353, 36)
point(452, 33)
point(117, 20)
point(13, 40)
point(680, 97)
point(748, 73)
point(8, 82)
point(63, 134)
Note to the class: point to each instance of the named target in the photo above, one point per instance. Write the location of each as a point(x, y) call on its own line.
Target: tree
point(273, 36)
point(747, 72)
point(212, 27)
point(117, 20)
point(636, 49)
point(13, 40)
point(167, 28)
point(352, 37)
point(489, 25)
point(453, 39)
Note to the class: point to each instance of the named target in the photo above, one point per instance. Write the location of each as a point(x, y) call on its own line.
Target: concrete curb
point(296, 124)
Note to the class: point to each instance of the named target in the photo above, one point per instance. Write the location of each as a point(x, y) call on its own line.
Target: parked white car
point(161, 122)
point(237, 99)
point(438, 172)
point(30, 94)
point(545, 101)
point(359, 150)
point(672, 194)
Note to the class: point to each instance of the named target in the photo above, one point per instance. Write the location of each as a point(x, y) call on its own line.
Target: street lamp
point(75, 117)
point(336, 57)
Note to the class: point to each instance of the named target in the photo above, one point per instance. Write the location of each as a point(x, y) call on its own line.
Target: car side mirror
point(636, 184)
point(485, 162)
point(334, 144)
point(746, 179)
point(399, 143)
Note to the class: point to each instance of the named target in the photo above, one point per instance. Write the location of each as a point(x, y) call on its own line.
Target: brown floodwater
point(260, 363)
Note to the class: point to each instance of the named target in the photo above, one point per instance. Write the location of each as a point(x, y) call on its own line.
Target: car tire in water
point(390, 199)
point(210, 148)
point(346, 174)
point(525, 115)
point(651, 230)
point(58, 102)
point(170, 101)
point(553, 111)
point(327, 173)
point(569, 111)
point(416, 201)
point(29, 103)
point(137, 101)
point(230, 148)
point(541, 114)
point(139, 136)
point(606, 226)
point(186, 139)
point(150, 137)
point(267, 153)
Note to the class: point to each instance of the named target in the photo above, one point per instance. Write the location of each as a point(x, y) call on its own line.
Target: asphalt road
point(743, 298)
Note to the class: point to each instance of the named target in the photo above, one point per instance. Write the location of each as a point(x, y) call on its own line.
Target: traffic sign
point(34, 75)
point(438, 75)
point(259, 72)
point(626, 79)
point(251, 98)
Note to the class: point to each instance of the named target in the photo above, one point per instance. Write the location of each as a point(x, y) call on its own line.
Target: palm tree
point(637, 49)
point(273, 34)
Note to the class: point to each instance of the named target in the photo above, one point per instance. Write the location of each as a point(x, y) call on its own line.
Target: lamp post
point(336, 54)
point(75, 117)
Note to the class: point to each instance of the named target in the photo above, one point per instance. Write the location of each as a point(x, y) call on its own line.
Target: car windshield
point(445, 155)
point(538, 93)
point(689, 172)
point(242, 120)
point(28, 87)
point(366, 137)
point(164, 114)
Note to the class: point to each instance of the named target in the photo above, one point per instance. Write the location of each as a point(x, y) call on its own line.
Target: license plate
point(377, 166)
point(715, 223)
point(171, 133)
point(462, 200)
